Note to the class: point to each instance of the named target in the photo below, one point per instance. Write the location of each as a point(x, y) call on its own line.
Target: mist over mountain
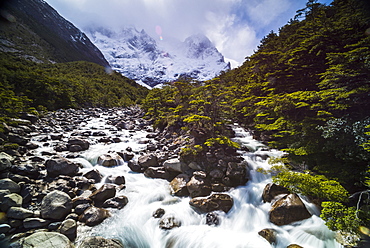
point(140, 57)
point(33, 29)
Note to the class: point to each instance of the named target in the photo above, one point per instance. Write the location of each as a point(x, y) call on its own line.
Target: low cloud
point(234, 26)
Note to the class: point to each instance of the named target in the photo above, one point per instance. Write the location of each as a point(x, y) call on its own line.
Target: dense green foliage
point(306, 90)
point(25, 84)
point(312, 185)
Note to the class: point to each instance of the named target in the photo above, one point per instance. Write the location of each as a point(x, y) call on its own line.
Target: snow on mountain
point(138, 56)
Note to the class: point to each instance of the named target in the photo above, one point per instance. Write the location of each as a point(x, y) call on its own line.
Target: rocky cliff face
point(33, 29)
point(138, 56)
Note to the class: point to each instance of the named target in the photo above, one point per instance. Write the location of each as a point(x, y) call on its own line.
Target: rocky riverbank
point(46, 193)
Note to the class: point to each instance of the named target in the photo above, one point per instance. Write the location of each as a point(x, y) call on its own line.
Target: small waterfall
point(135, 225)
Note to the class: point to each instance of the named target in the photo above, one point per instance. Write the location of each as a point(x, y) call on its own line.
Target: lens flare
point(158, 30)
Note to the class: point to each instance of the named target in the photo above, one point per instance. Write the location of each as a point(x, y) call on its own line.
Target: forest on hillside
point(26, 86)
point(306, 91)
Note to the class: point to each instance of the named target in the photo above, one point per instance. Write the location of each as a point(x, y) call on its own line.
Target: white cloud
point(234, 26)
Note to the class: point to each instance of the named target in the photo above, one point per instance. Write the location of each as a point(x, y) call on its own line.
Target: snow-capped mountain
point(138, 56)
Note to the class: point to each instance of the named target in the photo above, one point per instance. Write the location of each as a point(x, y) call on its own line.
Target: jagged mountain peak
point(138, 56)
point(199, 40)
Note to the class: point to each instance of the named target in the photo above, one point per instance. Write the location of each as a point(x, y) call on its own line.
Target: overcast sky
point(234, 26)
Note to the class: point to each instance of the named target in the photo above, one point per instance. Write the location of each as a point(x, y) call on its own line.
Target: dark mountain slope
point(33, 29)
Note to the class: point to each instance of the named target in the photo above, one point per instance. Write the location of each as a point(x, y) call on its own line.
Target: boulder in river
point(110, 159)
point(119, 180)
point(84, 144)
point(269, 234)
point(19, 213)
point(118, 202)
point(68, 228)
point(56, 205)
point(100, 242)
point(105, 192)
point(32, 223)
point(148, 160)
point(94, 216)
point(272, 190)
point(169, 222)
point(175, 164)
point(178, 185)
point(94, 174)
point(8, 184)
point(199, 185)
point(11, 200)
point(58, 165)
point(288, 209)
point(5, 161)
point(214, 202)
point(157, 172)
point(47, 239)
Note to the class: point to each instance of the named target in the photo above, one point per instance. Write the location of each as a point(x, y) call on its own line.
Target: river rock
point(119, 180)
point(68, 228)
point(214, 202)
point(199, 185)
point(47, 239)
point(148, 160)
point(158, 213)
point(61, 166)
point(294, 246)
point(175, 164)
point(110, 159)
point(94, 174)
point(212, 219)
point(168, 223)
point(32, 223)
point(157, 172)
point(134, 166)
point(237, 173)
point(288, 209)
point(116, 202)
point(18, 139)
point(84, 144)
point(5, 161)
point(272, 190)
point(193, 165)
point(4, 228)
point(31, 170)
point(11, 200)
point(178, 185)
point(94, 216)
point(127, 156)
point(269, 234)
point(100, 242)
point(61, 185)
point(8, 184)
point(216, 173)
point(58, 136)
point(19, 213)
point(56, 205)
point(79, 209)
point(105, 192)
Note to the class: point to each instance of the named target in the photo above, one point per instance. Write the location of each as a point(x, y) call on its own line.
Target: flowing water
point(135, 226)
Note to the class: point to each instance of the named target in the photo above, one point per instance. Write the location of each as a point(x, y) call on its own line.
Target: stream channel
point(135, 225)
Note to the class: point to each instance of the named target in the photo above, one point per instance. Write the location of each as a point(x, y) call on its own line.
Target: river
point(135, 225)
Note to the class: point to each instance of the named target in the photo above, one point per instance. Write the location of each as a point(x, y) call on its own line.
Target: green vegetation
point(26, 86)
point(306, 90)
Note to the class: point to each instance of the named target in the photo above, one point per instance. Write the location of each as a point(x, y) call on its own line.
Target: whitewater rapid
point(135, 225)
